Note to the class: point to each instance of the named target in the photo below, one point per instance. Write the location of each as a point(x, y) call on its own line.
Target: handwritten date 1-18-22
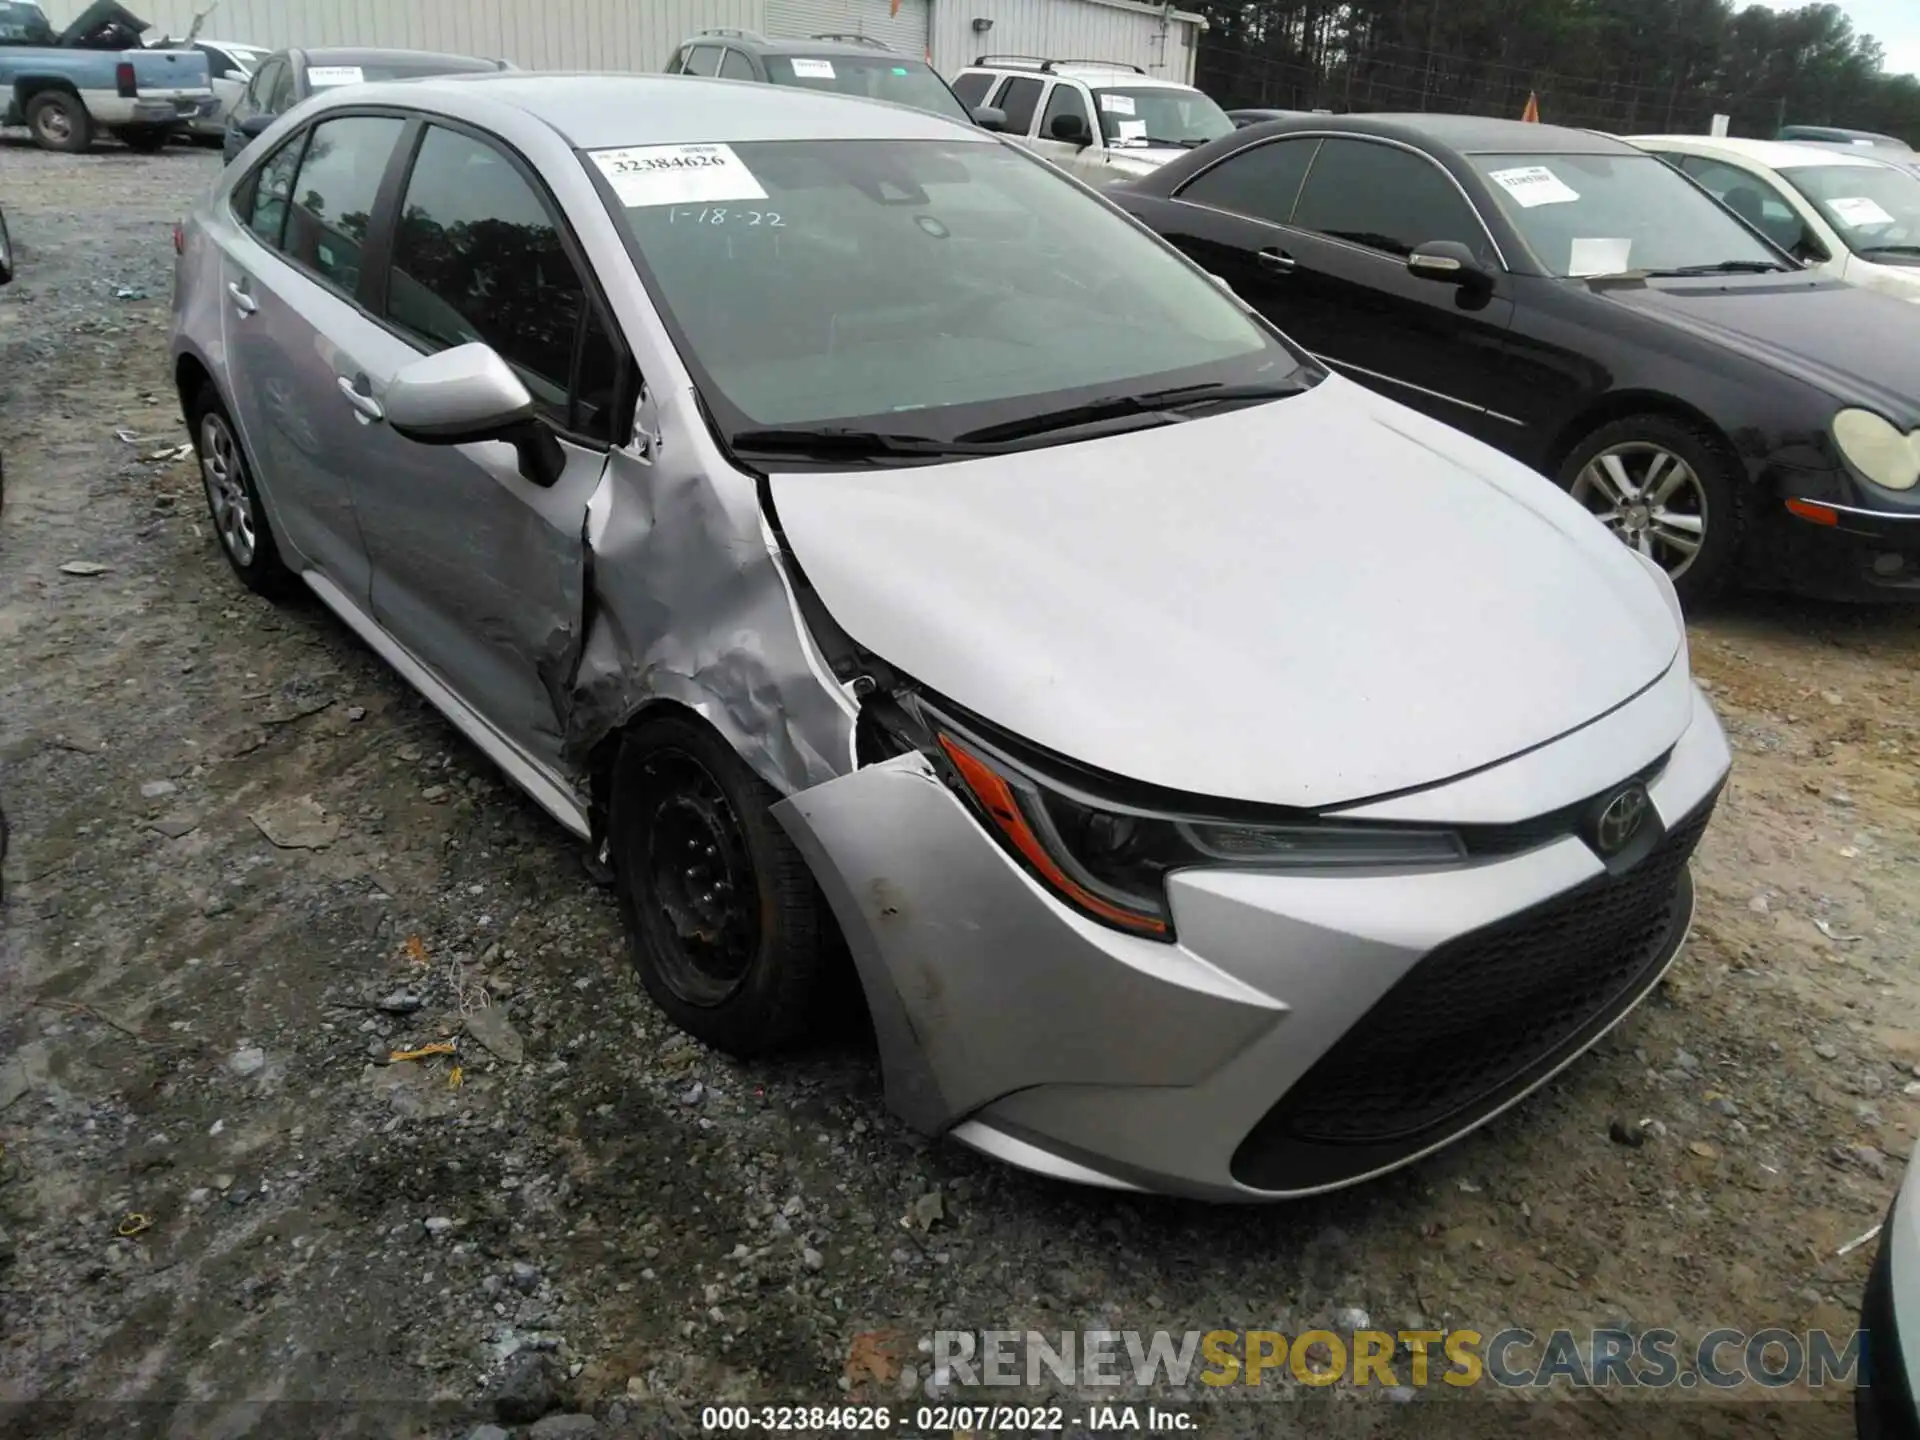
point(725, 215)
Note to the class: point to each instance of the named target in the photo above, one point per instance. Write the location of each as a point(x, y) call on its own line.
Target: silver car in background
point(850, 527)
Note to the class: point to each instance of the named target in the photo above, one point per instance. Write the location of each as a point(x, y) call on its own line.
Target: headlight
point(1877, 450)
point(1110, 861)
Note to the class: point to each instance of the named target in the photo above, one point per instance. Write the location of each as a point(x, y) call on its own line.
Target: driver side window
point(1065, 100)
point(263, 83)
point(1757, 202)
point(1383, 198)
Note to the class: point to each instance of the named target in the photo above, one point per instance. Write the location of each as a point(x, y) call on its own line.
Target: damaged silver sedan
point(877, 548)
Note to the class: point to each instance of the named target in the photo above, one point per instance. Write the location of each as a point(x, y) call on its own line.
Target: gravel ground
point(247, 864)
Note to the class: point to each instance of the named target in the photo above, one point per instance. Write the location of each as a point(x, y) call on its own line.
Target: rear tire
point(146, 140)
point(1663, 485)
point(60, 122)
point(724, 922)
point(233, 500)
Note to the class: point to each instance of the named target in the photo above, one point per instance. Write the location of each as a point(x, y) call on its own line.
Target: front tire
point(723, 919)
point(1669, 489)
point(233, 500)
point(60, 122)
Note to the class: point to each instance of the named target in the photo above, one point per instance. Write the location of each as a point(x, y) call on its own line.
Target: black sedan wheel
point(1667, 490)
point(723, 918)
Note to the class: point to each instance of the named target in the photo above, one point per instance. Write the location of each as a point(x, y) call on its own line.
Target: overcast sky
point(1894, 23)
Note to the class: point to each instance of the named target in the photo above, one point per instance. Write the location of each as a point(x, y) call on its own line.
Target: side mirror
point(255, 126)
point(1449, 262)
point(989, 117)
point(1070, 128)
point(6, 253)
point(468, 394)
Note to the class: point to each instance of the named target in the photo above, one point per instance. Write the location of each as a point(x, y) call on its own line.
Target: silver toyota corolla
point(1225, 781)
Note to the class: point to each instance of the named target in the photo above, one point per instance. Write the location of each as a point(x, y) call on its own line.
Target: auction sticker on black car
point(677, 175)
point(1533, 185)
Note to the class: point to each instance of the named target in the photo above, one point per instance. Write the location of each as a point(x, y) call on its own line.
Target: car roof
point(762, 45)
point(1094, 74)
point(1462, 134)
point(233, 45)
point(356, 55)
point(599, 111)
point(1890, 141)
point(1774, 154)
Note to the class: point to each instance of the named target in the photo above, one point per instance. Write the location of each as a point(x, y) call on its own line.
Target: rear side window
point(972, 89)
point(262, 201)
point(1018, 99)
point(1261, 182)
point(1384, 198)
point(477, 256)
point(333, 196)
point(735, 66)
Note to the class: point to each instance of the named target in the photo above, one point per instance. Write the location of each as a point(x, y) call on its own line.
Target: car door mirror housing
point(1070, 128)
point(989, 117)
point(256, 125)
point(468, 394)
point(1450, 263)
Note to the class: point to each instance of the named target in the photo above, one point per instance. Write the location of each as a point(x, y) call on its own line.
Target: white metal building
point(641, 34)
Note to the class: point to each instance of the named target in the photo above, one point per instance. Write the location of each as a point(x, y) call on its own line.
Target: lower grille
point(1476, 1022)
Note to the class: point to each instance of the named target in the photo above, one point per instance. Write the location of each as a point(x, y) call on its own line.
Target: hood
point(1306, 603)
point(1134, 161)
point(1856, 343)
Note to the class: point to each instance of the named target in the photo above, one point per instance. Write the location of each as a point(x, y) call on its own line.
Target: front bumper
point(1307, 1031)
point(1829, 538)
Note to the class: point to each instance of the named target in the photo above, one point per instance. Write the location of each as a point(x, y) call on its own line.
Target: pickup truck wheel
point(145, 139)
point(60, 122)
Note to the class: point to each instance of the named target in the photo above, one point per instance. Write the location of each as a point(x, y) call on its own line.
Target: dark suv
point(857, 65)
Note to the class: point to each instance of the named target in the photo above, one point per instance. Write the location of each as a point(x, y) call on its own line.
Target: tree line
point(1628, 66)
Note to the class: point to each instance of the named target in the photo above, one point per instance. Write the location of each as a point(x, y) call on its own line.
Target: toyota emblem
point(1621, 820)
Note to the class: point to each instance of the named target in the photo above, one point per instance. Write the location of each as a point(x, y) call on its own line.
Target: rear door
point(478, 573)
point(293, 277)
point(1019, 96)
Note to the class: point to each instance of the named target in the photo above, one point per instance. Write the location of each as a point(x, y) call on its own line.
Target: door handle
point(364, 404)
point(243, 302)
point(1277, 262)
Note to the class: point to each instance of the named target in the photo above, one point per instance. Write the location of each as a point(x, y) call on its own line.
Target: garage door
point(905, 32)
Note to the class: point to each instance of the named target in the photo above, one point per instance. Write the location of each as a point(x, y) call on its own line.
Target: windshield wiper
point(1115, 407)
point(1889, 250)
point(1726, 267)
point(839, 442)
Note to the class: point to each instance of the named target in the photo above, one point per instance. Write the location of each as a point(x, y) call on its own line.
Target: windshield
point(932, 287)
point(1604, 214)
point(1875, 209)
point(1159, 115)
point(24, 24)
point(874, 77)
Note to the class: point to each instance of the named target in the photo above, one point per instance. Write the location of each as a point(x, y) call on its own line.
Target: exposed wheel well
point(189, 375)
point(1618, 407)
point(606, 752)
point(28, 86)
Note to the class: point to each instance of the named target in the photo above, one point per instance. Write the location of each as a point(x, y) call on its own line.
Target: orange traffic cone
point(1532, 113)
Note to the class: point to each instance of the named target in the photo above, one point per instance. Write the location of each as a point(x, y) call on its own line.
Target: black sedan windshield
point(1604, 214)
point(930, 287)
point(874, 77)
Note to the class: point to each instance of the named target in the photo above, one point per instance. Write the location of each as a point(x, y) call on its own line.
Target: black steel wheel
point(723, 919)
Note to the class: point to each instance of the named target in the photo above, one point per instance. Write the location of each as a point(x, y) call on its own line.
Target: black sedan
point(287, 77)
point(1593, 312)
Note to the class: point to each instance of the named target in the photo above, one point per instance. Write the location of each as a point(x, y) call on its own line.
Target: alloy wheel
point(226, 489)
point(1650, 498)
point(699, 905)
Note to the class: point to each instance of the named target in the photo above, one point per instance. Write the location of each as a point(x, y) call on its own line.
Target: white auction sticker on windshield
point(813, 69)
point(320, 76)
point(677, 175)
point(1116, 104)
point(1533, 185)
point(1859, 210)
point(1130, 132)
point(1599, 257)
